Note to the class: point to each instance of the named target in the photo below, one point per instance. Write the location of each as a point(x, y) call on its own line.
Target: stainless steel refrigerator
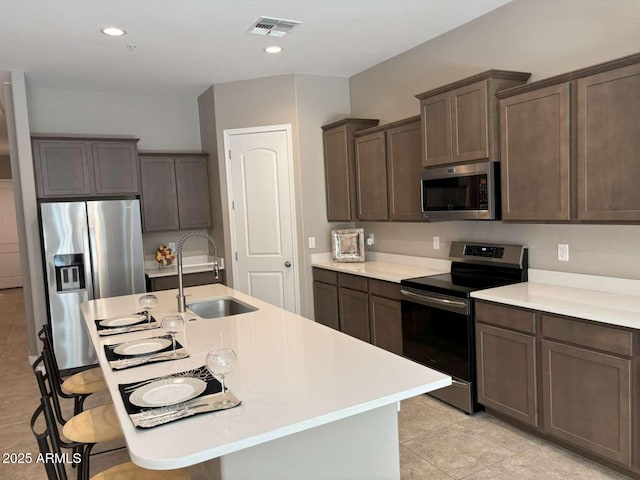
point(92, 250)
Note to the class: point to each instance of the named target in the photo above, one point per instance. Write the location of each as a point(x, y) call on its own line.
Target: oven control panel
point(483, 251)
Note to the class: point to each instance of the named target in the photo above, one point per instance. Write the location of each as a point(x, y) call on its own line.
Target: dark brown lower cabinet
point(325, 303)
point(587, 399)
point(354, 313)
point(386, 323)
point(506, 363)
point(367, 309)
point(573, 380)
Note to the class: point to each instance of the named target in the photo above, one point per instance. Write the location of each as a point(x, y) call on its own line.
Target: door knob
point(287, 264)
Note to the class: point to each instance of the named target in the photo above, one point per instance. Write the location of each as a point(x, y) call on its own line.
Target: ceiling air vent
point(273, 27)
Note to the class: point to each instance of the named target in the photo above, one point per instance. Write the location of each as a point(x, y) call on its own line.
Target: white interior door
point(259, 173)
point(10, 273)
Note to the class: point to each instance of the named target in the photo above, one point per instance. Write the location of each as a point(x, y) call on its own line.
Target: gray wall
point(161, 121)
point(544, 37)
point(306, 102)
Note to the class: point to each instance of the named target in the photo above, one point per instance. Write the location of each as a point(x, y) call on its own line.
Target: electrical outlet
point(436, 243)
point(563, 252)
point(172, 246)
point(312, 242)
point(370, 239)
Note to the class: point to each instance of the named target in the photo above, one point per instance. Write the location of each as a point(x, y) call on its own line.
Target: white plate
point(168, 392)
point(140, 347)
point(120, 321)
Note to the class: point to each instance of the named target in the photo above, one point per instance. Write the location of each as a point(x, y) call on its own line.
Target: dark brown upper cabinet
point(371, 176)
point(69, 166)
point(404, 166)
point(175, 191)
point(388, 165)
point(535, 154)
point(570, 144)
point(339, 166)
point(459, 120)
point(608, 151)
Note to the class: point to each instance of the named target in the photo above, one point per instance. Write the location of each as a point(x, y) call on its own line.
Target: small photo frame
point(348, 245)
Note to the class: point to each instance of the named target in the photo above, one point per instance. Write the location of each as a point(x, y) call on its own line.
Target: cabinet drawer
point(591, 335)
point(384, 289)
point(508, 317)
point(326, 276)
point(353, 282)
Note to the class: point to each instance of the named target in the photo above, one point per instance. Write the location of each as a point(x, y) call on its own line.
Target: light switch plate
point(436, 243)
point(172, 246)
point(370, 239)
point(312, 242)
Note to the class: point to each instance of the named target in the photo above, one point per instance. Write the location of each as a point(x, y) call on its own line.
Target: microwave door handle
point(435, 301)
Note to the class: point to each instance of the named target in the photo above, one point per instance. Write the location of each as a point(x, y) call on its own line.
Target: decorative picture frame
point(348, 245)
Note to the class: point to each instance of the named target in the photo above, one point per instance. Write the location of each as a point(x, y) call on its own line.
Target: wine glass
point(172, 324)
point(147, 302)
point(220, 362)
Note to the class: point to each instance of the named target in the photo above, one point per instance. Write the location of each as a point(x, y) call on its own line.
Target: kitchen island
point(317, 404)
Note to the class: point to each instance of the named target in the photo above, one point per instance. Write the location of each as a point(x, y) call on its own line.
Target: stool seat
point(99, 424)
point(130, 471)
point(85, 382)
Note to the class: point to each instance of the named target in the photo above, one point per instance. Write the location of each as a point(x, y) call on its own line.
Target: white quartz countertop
point(595, 299)
point(388, 267)
point(194, 264)
point(292, 374)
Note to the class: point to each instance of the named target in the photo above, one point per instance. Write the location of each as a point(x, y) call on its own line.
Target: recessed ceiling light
point(113, 31)
point(273, 49)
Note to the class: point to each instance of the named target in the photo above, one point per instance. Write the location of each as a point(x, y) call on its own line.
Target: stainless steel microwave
point(461, 192)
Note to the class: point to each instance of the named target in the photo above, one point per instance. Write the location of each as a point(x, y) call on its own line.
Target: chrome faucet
point(182, 301)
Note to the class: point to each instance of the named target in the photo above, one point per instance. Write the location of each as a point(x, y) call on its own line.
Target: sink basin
point(219, 307)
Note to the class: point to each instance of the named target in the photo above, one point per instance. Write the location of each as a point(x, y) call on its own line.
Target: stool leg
point(83, 471)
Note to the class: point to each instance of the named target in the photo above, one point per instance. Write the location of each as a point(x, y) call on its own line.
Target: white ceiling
point(186, 45)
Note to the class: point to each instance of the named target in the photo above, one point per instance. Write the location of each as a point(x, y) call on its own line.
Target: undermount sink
point(219, 307)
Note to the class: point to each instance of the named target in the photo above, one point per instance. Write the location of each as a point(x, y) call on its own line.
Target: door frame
point(228, 133)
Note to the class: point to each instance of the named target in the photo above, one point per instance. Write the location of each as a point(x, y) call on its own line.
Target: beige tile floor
point(437, 442)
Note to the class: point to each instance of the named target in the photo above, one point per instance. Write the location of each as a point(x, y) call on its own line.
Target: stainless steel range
point(437, 313)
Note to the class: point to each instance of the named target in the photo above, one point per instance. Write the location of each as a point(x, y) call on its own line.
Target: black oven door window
point(455, 193)
point(437, 338)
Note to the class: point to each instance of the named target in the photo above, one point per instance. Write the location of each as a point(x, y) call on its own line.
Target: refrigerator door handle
point(92, 265)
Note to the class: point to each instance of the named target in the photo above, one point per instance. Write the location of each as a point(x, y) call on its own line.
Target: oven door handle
point(436, 301)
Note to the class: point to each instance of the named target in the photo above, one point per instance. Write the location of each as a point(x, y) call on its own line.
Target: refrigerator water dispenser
point(69, 272)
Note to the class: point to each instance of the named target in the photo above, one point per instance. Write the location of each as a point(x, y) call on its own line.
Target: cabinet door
point(63, 168)
point(506, 366)
point(159, 199)
point(469, 121)
point(587, 400)
point(325, 301)
point(609, 145)
point(404, 165)
point(354, 313)
point(386, 323)
point(192, 182)
point(338, 175)
point(115, 166)
point(534, 129)
point(436, 134)
point(371, 177)
point(189, 280)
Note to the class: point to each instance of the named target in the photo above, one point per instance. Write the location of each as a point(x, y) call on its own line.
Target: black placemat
point(132, 327)
point(111, 355)
point(213, 387)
